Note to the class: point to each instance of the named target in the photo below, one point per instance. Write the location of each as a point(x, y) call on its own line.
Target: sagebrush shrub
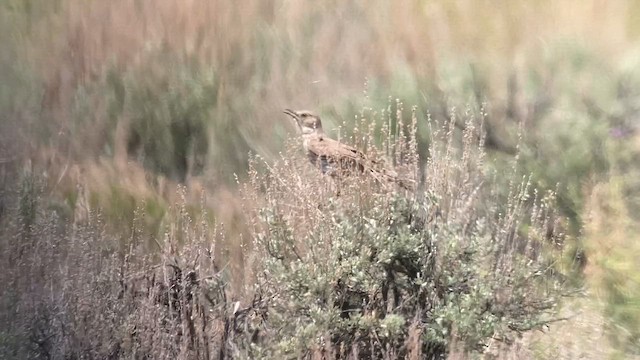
point(350, 265)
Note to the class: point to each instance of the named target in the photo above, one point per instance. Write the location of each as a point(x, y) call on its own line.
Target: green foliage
point(164, 117)
point(171, 115)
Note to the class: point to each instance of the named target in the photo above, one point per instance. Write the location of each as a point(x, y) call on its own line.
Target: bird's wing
point(333, 156)
point(334, 150)
point(330, 151)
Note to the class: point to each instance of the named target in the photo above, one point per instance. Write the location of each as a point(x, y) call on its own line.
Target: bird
point(335, 158)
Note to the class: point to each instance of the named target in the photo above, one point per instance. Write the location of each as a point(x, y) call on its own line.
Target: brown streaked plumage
point(334, 157)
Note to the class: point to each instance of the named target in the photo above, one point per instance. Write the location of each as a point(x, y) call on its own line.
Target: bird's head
point(308, 122)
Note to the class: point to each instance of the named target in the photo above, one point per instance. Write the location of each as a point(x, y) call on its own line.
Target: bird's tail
point(391, 176)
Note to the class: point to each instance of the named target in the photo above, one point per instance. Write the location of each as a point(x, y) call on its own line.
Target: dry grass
point(589, 336)
point(267, 51)
point(265, 56)
point(348, 267)
point(78, 292)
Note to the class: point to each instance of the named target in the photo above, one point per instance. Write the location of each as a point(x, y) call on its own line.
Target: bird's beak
point(294, 116)
point(291, 113)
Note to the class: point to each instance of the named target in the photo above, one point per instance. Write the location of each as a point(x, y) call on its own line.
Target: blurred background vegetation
point(116, 103)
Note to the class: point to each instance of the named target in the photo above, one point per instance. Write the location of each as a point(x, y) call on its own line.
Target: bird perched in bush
point(335, 158)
